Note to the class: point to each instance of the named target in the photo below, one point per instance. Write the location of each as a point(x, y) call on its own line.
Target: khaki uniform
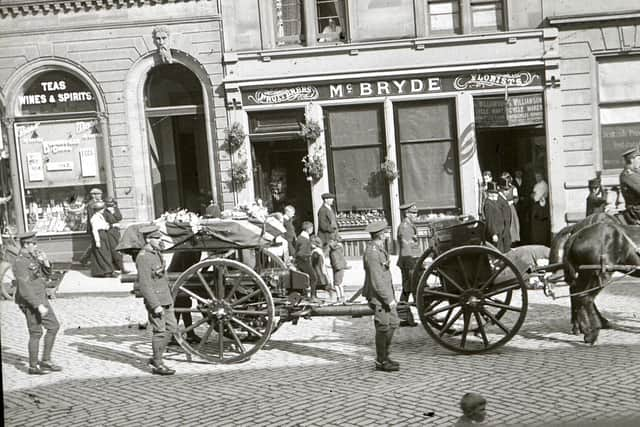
point(30, 293)
point(379, 292)
point(408, 255)
point(154, 287)
point(630, 187)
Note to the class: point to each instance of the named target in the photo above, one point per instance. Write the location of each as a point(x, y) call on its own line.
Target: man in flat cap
point(379, 292)
point(597, 198)
point(31, 297)
point(409, 252)
point(327, 223)
point(630, 186)
point(154, 286)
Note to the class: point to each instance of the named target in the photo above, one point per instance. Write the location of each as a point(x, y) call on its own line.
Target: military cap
point(150, 231)
point(594, 183)
point(328, 196)
point(376, 227)
point(409, 207)
point(95, 191)
point(631, 152)
point(492, 187)
point(27, 236)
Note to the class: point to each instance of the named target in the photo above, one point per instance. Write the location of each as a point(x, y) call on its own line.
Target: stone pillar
point(394, 192)
point(470, 174)
point(313, 112)
point(106, 150)
point(247, 194)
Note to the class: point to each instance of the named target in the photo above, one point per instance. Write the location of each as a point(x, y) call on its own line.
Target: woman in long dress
point(512, 197)
point(101, 259)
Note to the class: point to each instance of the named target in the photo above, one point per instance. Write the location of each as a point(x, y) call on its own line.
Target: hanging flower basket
point(310, 131)
point(313, 167)
point(389, 170)
point(239, 174)
point(234, 137)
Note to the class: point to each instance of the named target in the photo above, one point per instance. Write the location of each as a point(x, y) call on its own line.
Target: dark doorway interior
point(278, 168)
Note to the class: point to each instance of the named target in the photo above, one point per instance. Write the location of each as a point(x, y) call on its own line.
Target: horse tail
point(556, 250)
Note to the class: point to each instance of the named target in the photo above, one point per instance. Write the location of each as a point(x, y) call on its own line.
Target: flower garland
point(234, 137)
point(310, 131)
point(239, 174)
point(313, 166)
point(389, 169)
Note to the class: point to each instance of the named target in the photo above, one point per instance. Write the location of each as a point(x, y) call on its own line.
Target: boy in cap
point(379, 292)
point(158, 301)
point(31, 297)
point(409, 252)
point(303, 251)
point(473, 407)
point(596, 200)
point(327, 223)
point(630, 186)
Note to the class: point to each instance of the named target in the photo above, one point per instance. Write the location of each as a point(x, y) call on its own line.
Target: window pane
point(374, 19)
point(355, 126)
point(487, 15)
point(444, 17)
point(619, 131)
point(331, 19)
point(428, 174)
point(619, 80)
point(422, 122)
point(358, 183)
point(289, 24)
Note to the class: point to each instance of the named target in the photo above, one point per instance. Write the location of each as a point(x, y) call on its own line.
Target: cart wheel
point(7, 286)
point(231, 307)
point(419, 269)
point(472, 299)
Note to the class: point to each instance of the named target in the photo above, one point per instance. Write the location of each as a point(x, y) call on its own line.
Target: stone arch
point(137, 131)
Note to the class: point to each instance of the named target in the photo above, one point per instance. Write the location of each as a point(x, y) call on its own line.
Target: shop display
point(57, 210)
point(358, 219)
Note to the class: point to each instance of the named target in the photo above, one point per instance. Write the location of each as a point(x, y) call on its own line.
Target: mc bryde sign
point(391, 87)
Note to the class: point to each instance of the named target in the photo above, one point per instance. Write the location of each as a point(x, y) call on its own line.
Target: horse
point(556, 255)
point(605, 244)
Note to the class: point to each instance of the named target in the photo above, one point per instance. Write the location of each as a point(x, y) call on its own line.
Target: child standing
point(338, 265)
point(303, 255)
point(319, 266)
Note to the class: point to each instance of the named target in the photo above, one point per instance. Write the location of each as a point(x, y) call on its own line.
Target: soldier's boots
point(160, 368)
point(37, 370)
point(387, 366)
point(47, 365)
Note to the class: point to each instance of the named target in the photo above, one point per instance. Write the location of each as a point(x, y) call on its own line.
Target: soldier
point(630, 185)
point(327, 223)
point(379, 292)
point(31, 297)
point(409, 254)
point(158, 300)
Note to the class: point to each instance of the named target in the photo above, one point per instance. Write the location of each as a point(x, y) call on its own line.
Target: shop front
point(383, 142)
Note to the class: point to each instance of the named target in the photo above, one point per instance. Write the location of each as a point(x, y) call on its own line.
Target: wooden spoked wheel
point(472, 299)
point(231, 308)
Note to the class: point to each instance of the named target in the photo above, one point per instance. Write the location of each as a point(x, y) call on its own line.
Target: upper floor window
point(331, 20)
point(487, 15)
point(443, 16)
point(289, 22)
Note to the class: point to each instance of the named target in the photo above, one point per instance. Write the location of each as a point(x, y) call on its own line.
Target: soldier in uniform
point(379, 292)
point(630, 185)
point(31, 297)
point(409, 254)
point(154, 286)
point(327, 223)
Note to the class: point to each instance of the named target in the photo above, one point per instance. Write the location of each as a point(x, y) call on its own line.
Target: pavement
point(320, 371)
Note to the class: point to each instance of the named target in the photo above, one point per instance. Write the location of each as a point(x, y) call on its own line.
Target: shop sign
point(616, 139)
point(58, 153)
point(56, 92)
point(517, 110)
point(390, 87)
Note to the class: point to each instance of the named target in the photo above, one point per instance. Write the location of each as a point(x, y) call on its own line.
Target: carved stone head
point(162, 40)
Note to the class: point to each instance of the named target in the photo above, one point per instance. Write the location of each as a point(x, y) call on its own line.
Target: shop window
point(356, 149)
point(443, 16)
point(289, 22)
point(619, 101)
point(331, 20)
point(487, 15)
point(427, 156)
point(59, 145)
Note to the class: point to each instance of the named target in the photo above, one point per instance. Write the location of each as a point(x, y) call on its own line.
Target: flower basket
point(234, 137)
point(313, 167)
point(389, 170)
point(310, 131)
point(239, 174)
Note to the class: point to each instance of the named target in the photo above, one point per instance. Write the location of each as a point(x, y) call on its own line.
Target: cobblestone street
point(320, 372)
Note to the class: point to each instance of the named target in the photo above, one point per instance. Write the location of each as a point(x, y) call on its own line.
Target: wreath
point(389, 170)
point(239, 174)
point(310, 131)
point(313, 167)
point(234, 137)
